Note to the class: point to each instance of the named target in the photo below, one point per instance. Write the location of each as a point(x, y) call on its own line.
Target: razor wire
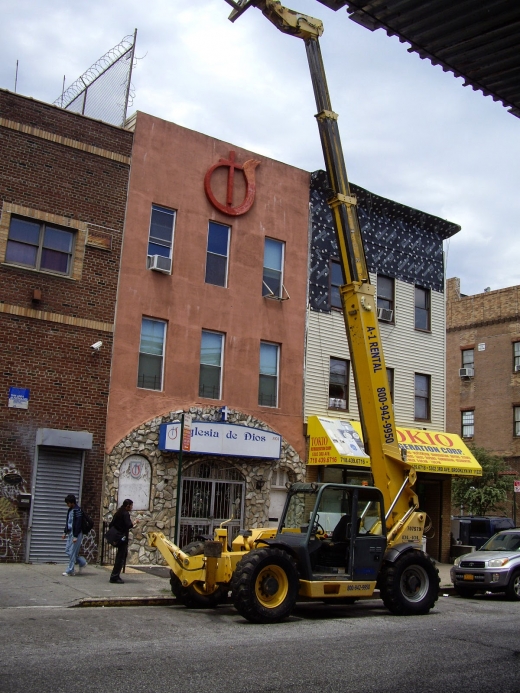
point(104, 90)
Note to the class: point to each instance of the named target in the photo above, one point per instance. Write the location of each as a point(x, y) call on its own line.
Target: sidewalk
point(42, 584)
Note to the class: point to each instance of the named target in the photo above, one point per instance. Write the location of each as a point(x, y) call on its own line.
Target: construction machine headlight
point(497, 562)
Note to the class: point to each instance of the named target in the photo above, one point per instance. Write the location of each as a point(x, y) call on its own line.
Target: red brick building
point(63, 185)
point(483, 369)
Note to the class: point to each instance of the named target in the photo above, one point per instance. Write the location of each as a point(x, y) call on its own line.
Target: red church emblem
point(248, 169)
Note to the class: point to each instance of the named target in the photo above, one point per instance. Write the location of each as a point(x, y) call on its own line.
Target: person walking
point(74, 536)
point(123, 523)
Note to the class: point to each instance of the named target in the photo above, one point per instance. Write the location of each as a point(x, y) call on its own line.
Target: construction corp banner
point(335, 441)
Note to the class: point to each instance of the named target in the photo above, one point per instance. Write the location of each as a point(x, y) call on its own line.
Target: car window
point(502, 542)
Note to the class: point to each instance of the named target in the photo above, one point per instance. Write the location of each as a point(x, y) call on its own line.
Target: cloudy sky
point(410, 132)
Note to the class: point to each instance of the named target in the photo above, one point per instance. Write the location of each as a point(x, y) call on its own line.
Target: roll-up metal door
point(58, 473)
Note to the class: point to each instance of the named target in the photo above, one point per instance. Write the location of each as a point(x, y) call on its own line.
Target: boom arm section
point(394, 477)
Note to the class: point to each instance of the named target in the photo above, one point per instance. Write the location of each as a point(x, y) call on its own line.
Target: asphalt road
point(462, 645)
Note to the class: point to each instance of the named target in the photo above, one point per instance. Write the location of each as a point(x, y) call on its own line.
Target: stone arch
point(143, 441)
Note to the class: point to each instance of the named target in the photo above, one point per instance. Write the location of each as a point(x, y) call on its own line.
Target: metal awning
point(477, 41)
point(339, 441)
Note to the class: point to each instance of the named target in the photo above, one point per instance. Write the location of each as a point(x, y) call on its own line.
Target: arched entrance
point(212, 492)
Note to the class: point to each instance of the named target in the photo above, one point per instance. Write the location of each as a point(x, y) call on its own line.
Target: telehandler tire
point(410, 585)
point(265, 585)
point(193, 597)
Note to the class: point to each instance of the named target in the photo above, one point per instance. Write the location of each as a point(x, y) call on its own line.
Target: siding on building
point(406, 350)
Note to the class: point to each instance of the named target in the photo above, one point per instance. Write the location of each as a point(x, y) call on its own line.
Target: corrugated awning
point(338, 441)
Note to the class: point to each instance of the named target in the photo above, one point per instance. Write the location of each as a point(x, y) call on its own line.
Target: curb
point(125, 601)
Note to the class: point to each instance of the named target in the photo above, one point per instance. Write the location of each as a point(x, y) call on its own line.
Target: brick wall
point(72, 170)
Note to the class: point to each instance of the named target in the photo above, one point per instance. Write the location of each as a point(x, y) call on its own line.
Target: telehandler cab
point(335, 542)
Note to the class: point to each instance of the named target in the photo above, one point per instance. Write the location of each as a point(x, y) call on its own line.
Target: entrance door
point(58, 473)
point(211, 493)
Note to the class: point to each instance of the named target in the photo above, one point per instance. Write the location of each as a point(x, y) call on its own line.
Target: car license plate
point(468, 576)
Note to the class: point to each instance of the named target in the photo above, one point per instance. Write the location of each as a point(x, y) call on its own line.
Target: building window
point(268, 385)
point(217, 255)
point(468, 358)
point(468, 424)
point(40, 246)
point(160, 240)
point(151, 354)
point(516, 415)
point(516, 357)
point(336, 280)
point(211, 352)
point(385, 298)
point(422, 397)
point(338, 384)
point(422, 309)
point(390, 376)
point(272, 282)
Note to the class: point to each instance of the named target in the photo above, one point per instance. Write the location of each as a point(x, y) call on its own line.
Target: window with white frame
point(422, 309)
point(335, 281)
point(385, 298)
point(37, 245)
point(162, 223)
point(516, 418)
point(468, 424)
point(217, 254)
point(338, 383)
point(516, 357)
point(211, 357)
point(272, 280)
point(422, 397)
point(268, 383)
point(468, 358)
point(151, 354)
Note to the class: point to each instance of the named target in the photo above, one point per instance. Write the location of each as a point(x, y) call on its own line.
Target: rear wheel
point(265, 585)
point(194, 596)
point(410, 585)
point(513, 587)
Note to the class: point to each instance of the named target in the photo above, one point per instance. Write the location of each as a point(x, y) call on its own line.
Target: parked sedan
point(495, 567)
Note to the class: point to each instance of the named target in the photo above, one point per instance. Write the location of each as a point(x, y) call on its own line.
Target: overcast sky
point(410, 132)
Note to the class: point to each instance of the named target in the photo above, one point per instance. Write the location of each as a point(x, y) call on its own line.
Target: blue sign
point(18, 398)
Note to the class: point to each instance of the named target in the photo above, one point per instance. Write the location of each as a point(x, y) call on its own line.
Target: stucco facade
point(169, 165)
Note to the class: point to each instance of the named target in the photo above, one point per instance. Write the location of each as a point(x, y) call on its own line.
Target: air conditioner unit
point(517, 368)
point(385, 314)
point(159, 263)
point(466, 372)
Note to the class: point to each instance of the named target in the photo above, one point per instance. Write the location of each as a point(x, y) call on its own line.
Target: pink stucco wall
point(168, 167)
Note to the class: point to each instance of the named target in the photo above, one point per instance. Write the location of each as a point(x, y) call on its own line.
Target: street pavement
point(43, 585)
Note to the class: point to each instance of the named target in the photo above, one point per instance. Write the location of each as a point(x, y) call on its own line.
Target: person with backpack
point(122, 522)
point(73, 533)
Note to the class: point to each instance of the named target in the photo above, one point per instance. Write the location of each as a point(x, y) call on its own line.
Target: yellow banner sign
point(336, 441)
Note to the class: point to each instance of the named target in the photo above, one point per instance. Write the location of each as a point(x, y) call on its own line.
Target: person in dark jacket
point(74, 535)
point(123, 523)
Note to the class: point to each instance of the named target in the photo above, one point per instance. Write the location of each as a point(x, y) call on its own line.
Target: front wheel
point(194, 596)
point(513, 587)
point(265, 585)
point(410, 585)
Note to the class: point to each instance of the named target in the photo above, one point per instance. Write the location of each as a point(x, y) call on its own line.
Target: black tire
point(513, 587)
point(193, 596)
point(265, 585)
point(465, 592)
point(410, 585)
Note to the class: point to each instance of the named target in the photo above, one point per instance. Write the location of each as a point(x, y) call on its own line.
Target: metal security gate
point(211, 493)
point(58, 473)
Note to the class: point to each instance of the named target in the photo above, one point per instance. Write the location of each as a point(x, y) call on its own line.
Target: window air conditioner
point(466, 372)
point(159, 263)
point(517, 368)
point(385, 314)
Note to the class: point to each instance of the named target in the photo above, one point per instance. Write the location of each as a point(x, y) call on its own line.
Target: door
point(212, 492)
point(58, 473)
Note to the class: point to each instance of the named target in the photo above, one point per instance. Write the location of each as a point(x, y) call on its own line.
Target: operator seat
point(340, 530)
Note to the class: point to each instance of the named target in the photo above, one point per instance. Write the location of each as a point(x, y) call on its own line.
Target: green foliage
point(481, 495)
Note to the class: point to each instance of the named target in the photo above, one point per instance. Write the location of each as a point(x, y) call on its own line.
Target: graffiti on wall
point(10, 521)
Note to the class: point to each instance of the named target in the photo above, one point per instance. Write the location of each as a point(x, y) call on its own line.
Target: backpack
point(87, 523)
